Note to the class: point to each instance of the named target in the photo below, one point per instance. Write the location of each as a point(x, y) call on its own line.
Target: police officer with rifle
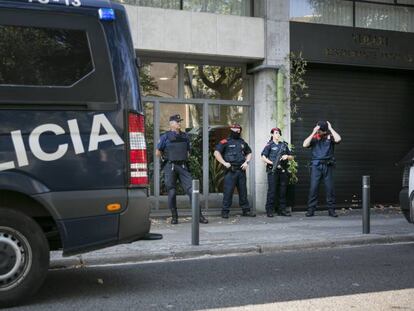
point(276, 155)
point(234, 153)
point(174, 149)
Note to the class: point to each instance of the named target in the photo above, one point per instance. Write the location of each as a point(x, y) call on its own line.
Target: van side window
point(43, 56)
point(55, 61)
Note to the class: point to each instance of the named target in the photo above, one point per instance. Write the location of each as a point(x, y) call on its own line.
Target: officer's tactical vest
point(234, 152)
point(274, 151)
point(176, 150)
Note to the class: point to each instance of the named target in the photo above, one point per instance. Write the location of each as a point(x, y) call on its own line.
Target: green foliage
point(293, 168)
point(293, 172)
point(195, 160)
point(147, 82)
point(298, 84)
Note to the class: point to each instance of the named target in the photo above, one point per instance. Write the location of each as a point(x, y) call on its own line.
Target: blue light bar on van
point(106, 14)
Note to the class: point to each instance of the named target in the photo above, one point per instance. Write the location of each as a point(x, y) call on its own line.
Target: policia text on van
point(73, 166)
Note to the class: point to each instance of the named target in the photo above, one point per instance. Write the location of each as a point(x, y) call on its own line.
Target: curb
point(202, 251)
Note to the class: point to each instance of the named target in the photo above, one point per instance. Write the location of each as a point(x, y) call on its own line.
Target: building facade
point(218, 62)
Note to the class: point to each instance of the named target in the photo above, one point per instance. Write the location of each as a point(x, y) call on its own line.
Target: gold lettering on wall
point(370, 41)
point(368, 54)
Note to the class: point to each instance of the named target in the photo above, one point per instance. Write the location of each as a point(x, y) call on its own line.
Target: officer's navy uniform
point(175, 147)
point(234, 151)
point(322, 166)
point(278, 178)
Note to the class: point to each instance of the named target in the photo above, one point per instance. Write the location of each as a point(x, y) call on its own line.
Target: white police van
point(73, 166)
point(407, 191)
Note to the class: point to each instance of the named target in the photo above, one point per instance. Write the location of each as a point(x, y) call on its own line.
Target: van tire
point(24, 257)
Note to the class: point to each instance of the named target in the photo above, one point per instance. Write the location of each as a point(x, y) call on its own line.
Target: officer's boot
point(310, 213)
point(248, 213)
point(203, 220)
point(174, 219)
point(225, 214)
point(332, 213)
point(284, 212)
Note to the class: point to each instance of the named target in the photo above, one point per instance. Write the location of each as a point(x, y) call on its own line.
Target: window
point(228, 7)
point(333, 12)
point(165, 4)
point(43, 56)
point(387, 17)
point(198, 81)
point(215, 82)
point(380, 14)
point(159, 79)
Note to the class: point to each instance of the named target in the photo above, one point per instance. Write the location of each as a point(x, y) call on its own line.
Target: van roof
point(54, 3)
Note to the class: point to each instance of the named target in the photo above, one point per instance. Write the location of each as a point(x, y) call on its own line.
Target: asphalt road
point(260, 280)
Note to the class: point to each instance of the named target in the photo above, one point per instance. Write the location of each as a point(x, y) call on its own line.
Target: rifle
point(276, 162)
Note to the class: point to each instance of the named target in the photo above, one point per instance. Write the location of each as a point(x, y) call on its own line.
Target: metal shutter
point(373, 111)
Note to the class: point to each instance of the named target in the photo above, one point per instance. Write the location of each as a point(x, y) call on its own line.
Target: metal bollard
point(195, 207)
point(366, 198)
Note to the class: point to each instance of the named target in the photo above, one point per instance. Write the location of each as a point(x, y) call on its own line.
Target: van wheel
point(407, 215)
point(24, 257)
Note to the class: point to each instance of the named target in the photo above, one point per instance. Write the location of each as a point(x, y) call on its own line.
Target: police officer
point(322, 142)
point(174, 148)
point(234, 153)
point(276, 155)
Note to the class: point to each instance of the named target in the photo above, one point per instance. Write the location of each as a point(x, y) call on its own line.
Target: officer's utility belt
point(328, 162)
point(235, 167)
point(178, 162)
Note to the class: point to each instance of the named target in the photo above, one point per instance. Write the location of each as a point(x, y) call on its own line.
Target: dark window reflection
point(215, 82)
point(43, 56)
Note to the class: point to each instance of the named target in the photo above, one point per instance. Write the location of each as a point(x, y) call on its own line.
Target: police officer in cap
point(322, 142)
point(174, 148)
point(276, 155)
point(234, 153)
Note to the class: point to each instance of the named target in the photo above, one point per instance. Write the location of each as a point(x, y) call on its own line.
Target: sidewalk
point(244, 235)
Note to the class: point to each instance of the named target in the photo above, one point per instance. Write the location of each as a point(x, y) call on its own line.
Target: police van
point(73, 166)
point(407, 191)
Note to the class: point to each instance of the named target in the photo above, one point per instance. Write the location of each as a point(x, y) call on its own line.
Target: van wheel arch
point(27, 205)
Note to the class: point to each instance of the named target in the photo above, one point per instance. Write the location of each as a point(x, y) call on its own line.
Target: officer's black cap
point(176, 117)
point(323, 126)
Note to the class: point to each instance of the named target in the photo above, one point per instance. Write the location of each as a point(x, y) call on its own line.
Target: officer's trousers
point(233, 179)
point(276, 183)
point(172, 172)
point(321, 172)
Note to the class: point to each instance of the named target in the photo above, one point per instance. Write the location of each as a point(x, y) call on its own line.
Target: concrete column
point(276, 21)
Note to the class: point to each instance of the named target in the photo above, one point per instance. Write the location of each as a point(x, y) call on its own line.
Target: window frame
point(94, 91)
